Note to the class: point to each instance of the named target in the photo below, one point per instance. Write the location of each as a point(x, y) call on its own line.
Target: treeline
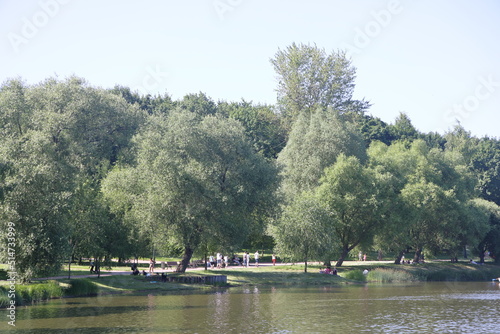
point(106, 173)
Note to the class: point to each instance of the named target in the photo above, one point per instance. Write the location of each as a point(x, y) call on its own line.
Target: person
point(212, 261)
point(360, 256)
point(364, 257)
point(328, 270)
point(256, 257)
point(273, 259)
point(226, 261)
point(219, 260)
point(334, 271)
point(163, 277)
point(236, 260)
point(135, 271)
point(248, 259)
point(92, 266)
point(151, 265)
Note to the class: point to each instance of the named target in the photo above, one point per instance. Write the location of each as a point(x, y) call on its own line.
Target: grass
point(81, 287)
point(31, 293)
point(354, 275)
point(284, 275)
point(386, 275)
point(39, 291)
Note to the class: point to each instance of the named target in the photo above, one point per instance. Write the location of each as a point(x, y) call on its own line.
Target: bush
point(355, 275)
point(389, 275)
point(4, 299)
point(27, 294)
point(81, 287)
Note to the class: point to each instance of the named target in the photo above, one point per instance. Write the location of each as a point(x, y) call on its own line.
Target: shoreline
point(284, 275)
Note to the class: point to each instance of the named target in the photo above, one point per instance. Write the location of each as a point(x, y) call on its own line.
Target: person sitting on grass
point(328, 270)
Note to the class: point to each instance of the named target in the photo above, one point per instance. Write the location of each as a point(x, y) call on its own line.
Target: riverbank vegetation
point(88, 172)
point(282, 275)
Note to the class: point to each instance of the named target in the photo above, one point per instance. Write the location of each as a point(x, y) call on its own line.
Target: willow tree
point(56, 135)
point(195, 179)
point(303, 232)
point(308, 78)
point(357, 200)
point(315, 142)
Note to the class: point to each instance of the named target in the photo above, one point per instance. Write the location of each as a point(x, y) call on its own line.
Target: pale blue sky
point(437, 61)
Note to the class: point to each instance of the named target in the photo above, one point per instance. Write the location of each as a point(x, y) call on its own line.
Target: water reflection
point(416, 308)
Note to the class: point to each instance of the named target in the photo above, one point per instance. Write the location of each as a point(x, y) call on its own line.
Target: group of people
point(328, 270)
point(220, 261)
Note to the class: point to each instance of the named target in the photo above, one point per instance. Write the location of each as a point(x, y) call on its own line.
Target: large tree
point(357, 199)
point(196, 179)
point(308, 78)
point(303, 232)
point(55, 134)
point(315, 142)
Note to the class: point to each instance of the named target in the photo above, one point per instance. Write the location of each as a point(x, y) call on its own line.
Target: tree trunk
point(188, 254)
point(345, 251)
point(305, 266)
point(418, 253)
point(69, 268)
point(481, 257)
point(98, 266)
point(399, 257)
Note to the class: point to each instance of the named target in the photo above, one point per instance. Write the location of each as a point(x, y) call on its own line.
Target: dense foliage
point(90, 172)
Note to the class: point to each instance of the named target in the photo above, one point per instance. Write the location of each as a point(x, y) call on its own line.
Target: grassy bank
point(433, 271)
point(284, 275)
point(25, 294)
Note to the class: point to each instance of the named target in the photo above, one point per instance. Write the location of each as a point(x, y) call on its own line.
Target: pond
point(433, 307)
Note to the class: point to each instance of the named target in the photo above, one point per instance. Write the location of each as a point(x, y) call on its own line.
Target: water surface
point(435, 307)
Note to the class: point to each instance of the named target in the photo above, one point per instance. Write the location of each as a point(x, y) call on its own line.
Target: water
point(437, 307)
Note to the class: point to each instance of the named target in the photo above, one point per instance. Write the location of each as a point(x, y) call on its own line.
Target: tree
point(303, 232)
point(403, 129)
point(315, 143)
point(195, 179)
point(309, 78)
point(262, 125)
point(56, 134)
point(199, 104)
point(356, 199)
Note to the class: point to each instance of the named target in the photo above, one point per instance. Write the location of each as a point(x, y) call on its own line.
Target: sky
point(436, 61)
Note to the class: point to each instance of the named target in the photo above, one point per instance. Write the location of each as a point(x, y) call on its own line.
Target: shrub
point(4, 299)
point(26, 294)
point(389, 275)
point(81, 287)
point(355, 275)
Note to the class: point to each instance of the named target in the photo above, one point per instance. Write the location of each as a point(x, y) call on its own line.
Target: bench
point(196, 263)
point(171, 264)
